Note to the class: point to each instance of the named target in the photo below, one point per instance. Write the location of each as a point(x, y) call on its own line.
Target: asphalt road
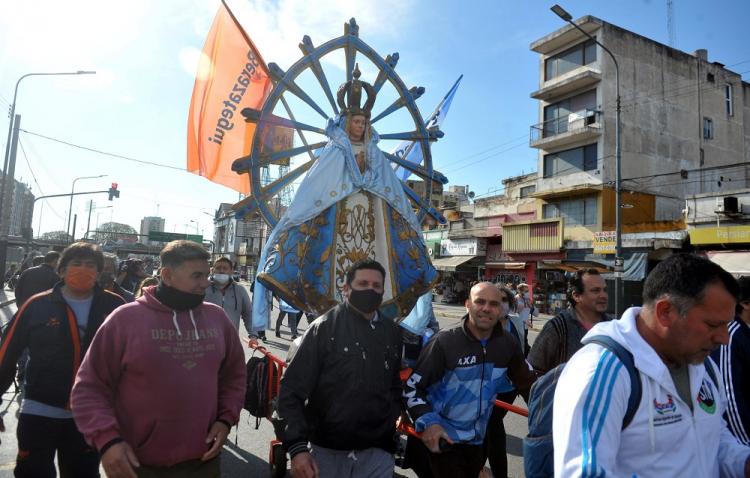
point(246, 452)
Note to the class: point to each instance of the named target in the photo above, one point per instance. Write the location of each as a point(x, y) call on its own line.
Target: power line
point(488, 157)
point(474, 155)
point(41, 193)
point(119, 156)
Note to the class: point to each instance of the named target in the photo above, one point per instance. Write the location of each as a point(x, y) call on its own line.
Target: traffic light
point(113, 192)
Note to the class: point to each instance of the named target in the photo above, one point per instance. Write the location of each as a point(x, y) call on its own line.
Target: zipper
point(481, 392)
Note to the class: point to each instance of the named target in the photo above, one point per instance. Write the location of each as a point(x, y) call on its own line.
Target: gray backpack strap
point(627, 360)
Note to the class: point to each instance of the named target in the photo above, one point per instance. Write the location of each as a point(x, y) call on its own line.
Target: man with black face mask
point(107, 281)
point(164, 379)
point(340, 396)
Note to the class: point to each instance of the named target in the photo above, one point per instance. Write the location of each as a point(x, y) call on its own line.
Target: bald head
point(485, 308)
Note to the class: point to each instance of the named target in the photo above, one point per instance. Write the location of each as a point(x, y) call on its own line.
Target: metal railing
point(573, 122)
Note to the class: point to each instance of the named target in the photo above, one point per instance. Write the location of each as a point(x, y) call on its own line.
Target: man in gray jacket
point(229, 295)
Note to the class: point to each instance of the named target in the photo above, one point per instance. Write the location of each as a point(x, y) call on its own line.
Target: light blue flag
point(410, 149)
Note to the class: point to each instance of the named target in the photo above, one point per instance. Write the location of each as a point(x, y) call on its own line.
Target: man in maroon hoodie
point(164, 379)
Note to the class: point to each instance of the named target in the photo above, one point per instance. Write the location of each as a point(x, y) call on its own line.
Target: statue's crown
point(352, 90)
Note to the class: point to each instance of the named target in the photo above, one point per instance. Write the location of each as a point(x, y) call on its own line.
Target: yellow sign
point(604, 242)
point(720, 235)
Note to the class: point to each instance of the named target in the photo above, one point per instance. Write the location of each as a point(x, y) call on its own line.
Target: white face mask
point(221, 278)
point(504, 309)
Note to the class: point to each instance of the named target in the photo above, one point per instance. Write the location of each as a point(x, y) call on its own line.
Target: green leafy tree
point(115, 232)
point(56, 236)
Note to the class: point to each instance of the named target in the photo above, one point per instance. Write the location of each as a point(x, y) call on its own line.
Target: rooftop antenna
point(670, 22)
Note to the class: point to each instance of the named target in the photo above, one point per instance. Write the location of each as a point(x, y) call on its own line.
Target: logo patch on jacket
point(468, 360)
point(53, 322)
point(706, 398)
point(667, 407)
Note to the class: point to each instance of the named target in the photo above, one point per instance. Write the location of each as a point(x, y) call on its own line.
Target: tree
point(115, 231)
point(56, 236)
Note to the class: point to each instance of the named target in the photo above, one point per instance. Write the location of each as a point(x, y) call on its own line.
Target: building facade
point(22, 211)
point(685, 131)
point(240, 240)
point(151, 224)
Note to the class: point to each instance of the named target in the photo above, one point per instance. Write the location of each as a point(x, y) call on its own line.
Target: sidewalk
point(6, 297)
point(454, 311)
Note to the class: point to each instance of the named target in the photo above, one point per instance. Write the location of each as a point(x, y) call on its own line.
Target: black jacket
point(33, 281)
point(47, 326)
point(734, 362)
point(347, 369)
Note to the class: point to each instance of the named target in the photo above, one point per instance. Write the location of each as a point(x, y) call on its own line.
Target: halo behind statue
point(266, 194)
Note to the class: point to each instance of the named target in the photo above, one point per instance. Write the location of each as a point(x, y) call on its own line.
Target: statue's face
point(356, 127)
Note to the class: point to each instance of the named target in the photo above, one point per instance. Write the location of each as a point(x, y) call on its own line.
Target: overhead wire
point(41, 193)
point(105, 153)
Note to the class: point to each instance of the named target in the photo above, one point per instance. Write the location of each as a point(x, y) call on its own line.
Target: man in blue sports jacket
point(451, 394)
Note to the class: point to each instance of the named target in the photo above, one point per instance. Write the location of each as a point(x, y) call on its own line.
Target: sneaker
point(294, 336)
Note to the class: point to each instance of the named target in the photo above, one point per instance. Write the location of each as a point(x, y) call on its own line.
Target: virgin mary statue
point(350, 206)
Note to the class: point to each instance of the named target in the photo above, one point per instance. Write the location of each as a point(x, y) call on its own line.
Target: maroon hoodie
point(159, 379)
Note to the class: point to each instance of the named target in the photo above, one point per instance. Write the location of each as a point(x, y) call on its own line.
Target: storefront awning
point(506, 265)
point(450, 263)
point(736, 263)
point(573, 266)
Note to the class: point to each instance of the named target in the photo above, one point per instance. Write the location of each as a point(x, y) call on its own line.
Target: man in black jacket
point(37, 279)
point(340, 396)
point(57, 326)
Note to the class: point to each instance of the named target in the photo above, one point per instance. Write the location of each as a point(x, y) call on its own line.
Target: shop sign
point(605, 242)
point(720, 235)
point(463, 247)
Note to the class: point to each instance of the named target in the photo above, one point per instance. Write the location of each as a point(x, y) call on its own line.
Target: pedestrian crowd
point(145, 375)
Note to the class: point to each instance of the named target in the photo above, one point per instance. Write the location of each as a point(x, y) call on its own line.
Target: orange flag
point(231, 76)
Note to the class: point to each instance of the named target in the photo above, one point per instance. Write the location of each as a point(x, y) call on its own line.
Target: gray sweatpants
point(367, 463)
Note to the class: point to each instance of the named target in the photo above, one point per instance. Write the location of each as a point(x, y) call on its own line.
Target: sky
point(146, 53)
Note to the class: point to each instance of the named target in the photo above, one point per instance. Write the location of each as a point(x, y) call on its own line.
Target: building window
point(708, 128)
point(571, 161)
point(556, 115)
point(569, 60)
point(527, 191)
point(575, 212)
point(728, 99)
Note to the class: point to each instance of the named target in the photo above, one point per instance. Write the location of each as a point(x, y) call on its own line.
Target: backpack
point(257, 398)
point(538, 451)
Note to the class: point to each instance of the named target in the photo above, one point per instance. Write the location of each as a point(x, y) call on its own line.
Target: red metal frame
point(274, 383)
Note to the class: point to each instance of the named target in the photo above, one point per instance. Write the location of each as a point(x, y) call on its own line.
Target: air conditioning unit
point(727, 205)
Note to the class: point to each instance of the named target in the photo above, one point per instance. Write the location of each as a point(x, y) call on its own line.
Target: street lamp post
point(619, 260)
point(10, 159)
point(12, 116)
point(70, 207)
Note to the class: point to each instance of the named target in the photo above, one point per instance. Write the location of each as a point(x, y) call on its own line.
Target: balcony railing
point(580, 121)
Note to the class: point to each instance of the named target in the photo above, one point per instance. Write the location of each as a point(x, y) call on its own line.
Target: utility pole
point(88, 221)
point(6, 193)
point(73, 231)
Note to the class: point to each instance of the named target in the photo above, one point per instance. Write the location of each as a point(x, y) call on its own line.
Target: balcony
point(579, 127)
point(577, 80)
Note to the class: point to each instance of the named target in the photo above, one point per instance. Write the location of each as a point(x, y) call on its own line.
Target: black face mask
point(366, 301)
point(177, 299)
